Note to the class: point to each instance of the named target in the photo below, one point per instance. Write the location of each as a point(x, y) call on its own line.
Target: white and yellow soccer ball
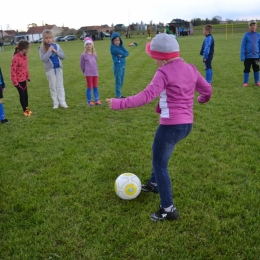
point(127, 186)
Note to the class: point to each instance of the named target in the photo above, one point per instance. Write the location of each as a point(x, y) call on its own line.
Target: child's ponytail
point(16, 49)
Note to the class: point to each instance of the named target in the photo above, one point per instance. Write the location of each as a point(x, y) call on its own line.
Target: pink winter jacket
point(175, 83)
point(19, 68)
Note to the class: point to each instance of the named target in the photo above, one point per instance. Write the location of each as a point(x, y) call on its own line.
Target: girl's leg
point(122, 77)
point(255, 66)
point(165, 139)
point(51, 76)
point(247, 66)
point(22, 94)
point(2, 110)
point(95, 90)
point(89, 81)
point(60, 88)
point(26, 97)
point(118, 83)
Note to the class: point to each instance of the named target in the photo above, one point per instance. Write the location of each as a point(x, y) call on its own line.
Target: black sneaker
point(161, 214)
point(5, 121)
point(123, 97)
point(149, 187)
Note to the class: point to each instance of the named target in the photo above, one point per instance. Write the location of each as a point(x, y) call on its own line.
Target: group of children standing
point(52, 55)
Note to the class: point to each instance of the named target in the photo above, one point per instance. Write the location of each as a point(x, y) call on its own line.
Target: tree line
point(214, 20)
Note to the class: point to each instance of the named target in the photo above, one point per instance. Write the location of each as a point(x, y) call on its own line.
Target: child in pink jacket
point(175, 82)
point(20, 74)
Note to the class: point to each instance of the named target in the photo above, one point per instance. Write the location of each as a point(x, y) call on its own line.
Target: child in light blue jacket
point(119, 53)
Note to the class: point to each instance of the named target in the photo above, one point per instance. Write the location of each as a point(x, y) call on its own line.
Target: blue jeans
point(165, 139)
point(119, 73)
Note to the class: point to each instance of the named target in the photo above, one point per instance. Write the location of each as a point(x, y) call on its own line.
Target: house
point(101, 28)
point(35, 33)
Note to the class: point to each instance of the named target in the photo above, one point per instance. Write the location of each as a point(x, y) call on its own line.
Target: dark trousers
point(22, 90)
point(251, 62)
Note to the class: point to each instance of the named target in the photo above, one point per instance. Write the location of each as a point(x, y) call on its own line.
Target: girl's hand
point(109, 102)
point(51, 48)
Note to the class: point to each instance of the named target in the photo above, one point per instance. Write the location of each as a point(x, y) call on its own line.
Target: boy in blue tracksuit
point(207, 51)
point(2, 89)
point(118, 53)
point(250, 53)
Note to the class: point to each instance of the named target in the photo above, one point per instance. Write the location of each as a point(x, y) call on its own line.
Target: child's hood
point(114, 35)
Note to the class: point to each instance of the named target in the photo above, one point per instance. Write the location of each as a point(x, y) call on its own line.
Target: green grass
point(58, 167)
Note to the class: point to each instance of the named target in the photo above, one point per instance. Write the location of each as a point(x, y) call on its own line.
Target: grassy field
point(58, 167)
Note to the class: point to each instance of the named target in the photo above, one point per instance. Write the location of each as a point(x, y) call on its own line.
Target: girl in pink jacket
point(175, 82)
point(20, 74)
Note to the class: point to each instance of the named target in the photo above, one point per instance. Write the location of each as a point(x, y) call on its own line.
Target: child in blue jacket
point(207, 51)
point(118, 53)
point(250, 53)
point(2, 89)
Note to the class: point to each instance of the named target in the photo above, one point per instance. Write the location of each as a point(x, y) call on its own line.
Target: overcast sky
point(16, 14)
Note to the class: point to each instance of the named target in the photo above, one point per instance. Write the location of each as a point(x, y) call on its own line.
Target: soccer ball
point(127, 186)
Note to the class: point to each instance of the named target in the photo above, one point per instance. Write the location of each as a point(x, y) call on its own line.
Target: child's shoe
point(5, 121)
point(257, 84)
point(245, 85)
point(25, 113)
point(91, 103)
point(28, 110)
point(149, 187)
point(65, 106)
point(161, 214)
point(98, 103)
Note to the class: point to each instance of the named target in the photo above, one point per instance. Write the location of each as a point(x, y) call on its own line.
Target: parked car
point(70, 38)
point(106, 34)
point(58, 38)
point(36, 41)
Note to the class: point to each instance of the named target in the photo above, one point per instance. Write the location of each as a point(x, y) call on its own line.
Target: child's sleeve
point(44, 56)
point(126, 53)
point(27, 74)
point(14, 66)
point(153, 90)
point(243, 48)
point(204, 89)
point(116, 51)
point(208, 42)
point(60, 52)
point(82, 63)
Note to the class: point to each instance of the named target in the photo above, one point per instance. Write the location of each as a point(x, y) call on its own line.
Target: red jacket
point(19, 68)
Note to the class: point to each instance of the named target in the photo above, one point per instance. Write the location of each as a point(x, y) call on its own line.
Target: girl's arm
point(116, 51)
point(60, 52)
point(204, 89)
point(126, 53)
point(82, 63)
point(44, 56)
point(153, 90)
point(14, 66)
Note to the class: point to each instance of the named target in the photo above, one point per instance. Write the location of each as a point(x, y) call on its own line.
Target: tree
point(196, 21)
point(219, 18)
point(32, 25)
